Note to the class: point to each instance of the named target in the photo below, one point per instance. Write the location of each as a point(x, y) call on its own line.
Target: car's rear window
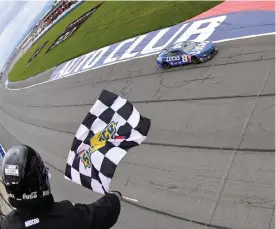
point(187, 47)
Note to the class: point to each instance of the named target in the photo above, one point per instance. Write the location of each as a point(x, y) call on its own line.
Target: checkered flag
point(109, 130)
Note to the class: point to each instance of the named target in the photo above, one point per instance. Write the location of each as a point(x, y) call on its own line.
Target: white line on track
point(151, 54)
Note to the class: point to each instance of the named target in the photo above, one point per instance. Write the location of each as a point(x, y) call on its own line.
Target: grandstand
point(58, 10)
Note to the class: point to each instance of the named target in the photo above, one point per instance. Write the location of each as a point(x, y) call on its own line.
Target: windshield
point(188, 46)
point(162, 53)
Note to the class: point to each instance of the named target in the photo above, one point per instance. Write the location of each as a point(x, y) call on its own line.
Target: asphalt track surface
point(208, 161)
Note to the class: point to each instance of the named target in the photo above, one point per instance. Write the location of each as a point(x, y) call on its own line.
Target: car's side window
point(170, 54)
point(176, 52)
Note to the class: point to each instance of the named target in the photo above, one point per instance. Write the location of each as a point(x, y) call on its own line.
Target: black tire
point(166, 65)
point(195, 60)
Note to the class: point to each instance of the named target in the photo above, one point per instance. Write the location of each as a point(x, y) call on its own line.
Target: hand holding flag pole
point(111, 127)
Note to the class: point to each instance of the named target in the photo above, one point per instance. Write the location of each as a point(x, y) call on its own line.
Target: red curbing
point(232, 6)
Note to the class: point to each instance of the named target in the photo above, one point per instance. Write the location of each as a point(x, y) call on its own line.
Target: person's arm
point(103, 213)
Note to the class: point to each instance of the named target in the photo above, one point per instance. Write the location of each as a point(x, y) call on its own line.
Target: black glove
point(117, 193)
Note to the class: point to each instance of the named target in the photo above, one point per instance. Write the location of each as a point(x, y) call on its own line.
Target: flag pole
point(129, 199)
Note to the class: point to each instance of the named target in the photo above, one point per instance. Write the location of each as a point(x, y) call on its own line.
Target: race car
point(185, 53)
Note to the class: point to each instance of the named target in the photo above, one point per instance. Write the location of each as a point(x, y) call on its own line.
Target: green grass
point(111, 23)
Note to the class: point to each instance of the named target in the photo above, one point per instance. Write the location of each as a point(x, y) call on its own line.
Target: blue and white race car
point(185, 53)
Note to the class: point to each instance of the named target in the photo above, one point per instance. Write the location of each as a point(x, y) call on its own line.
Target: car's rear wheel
point(165, 65)
point(195, 60)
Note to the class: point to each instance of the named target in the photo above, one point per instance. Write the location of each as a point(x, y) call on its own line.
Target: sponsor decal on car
point(185, 58)
point(173, 58)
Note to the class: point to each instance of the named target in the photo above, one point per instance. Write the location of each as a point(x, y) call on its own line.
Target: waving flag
point(109, 130)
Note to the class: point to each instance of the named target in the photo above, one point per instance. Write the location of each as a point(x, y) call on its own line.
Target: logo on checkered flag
point(111, 127)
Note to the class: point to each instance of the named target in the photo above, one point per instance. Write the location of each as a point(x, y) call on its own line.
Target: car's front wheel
point(165, 65)
point(195, 60)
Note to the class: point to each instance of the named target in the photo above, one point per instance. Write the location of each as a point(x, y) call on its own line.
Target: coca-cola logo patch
point(31, 196)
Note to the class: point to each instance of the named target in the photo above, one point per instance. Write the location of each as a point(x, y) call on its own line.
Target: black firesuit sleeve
point(103, 213)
